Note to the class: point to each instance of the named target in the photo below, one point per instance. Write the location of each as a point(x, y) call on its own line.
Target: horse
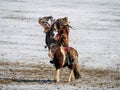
point(61, 60)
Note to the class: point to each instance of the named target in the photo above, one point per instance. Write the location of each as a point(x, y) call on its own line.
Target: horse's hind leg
point(71, 77)
point(57, 76)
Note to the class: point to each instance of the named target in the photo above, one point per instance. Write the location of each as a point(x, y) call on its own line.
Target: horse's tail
point(77, 72)
point(77, 69)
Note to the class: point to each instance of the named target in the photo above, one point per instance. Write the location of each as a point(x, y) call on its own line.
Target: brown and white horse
point(61, 51)
point(61, 59)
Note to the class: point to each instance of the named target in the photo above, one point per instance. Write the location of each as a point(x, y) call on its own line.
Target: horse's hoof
point(56, 81)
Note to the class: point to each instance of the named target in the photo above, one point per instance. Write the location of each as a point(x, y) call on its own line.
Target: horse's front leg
point(71, 77)
point(57, 76)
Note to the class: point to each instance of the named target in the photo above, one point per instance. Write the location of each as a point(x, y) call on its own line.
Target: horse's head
point(52, 50)
point(64, 40)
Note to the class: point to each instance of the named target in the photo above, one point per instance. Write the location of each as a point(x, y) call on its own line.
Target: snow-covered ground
point(96, 33)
